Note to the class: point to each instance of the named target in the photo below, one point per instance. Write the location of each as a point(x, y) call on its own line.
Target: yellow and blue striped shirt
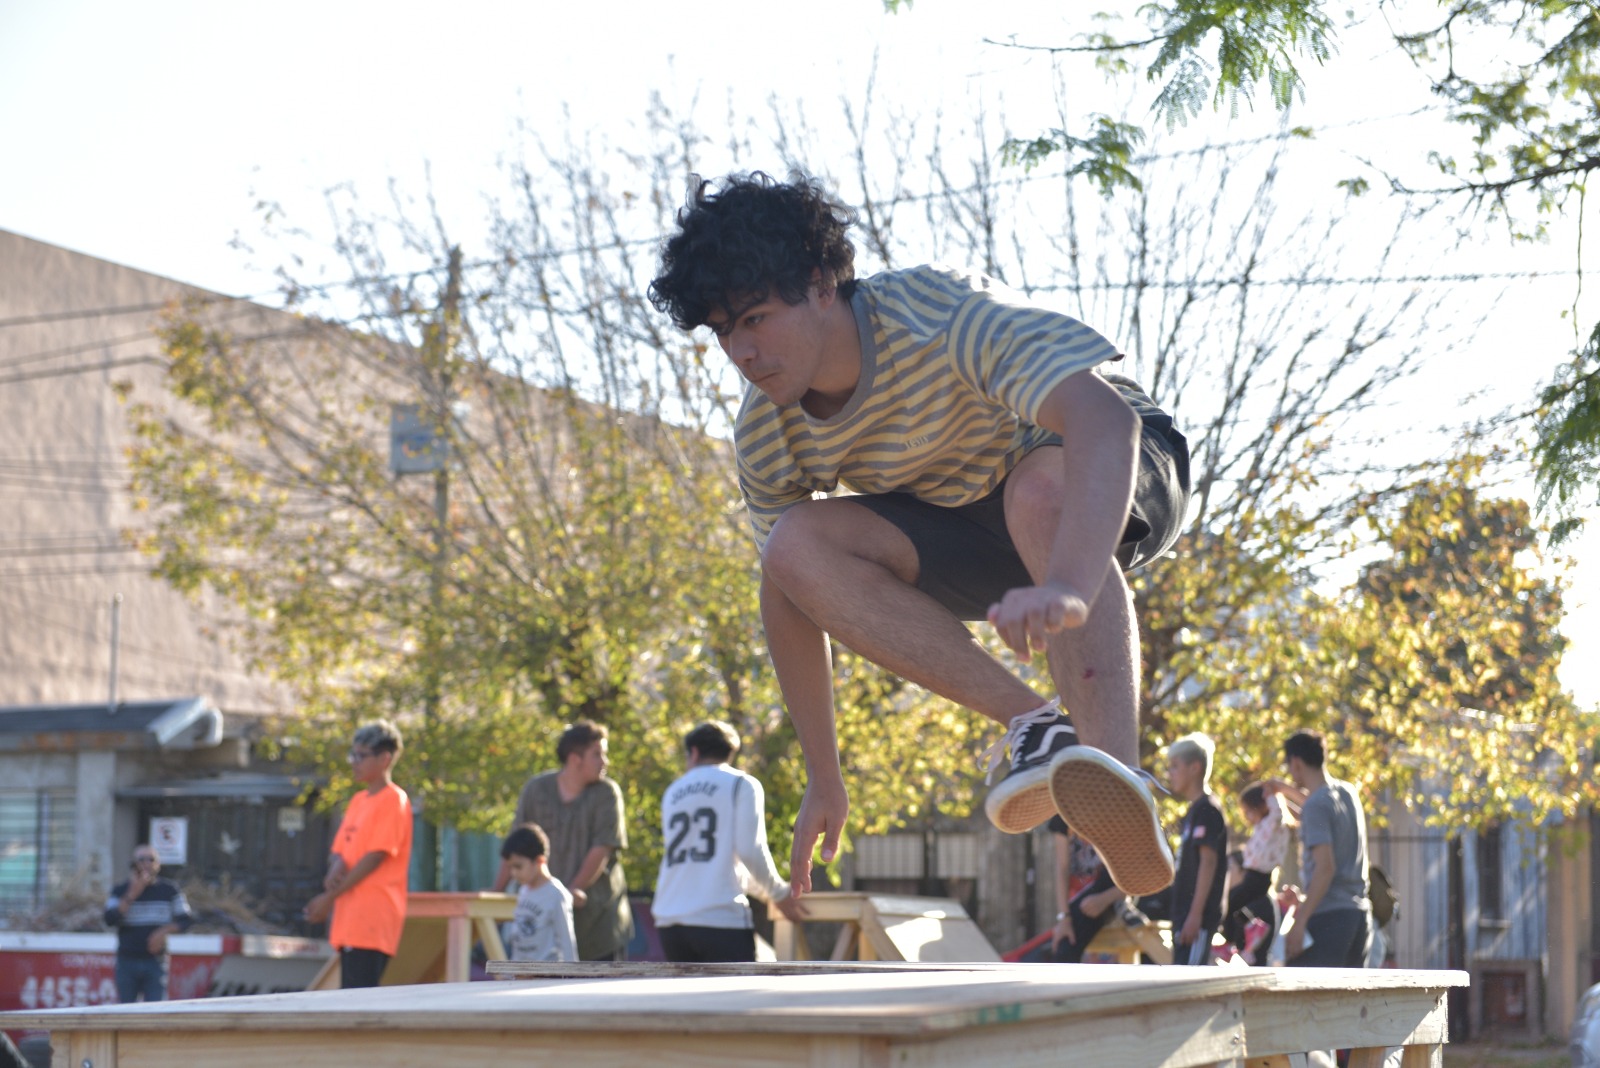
point(954, 368)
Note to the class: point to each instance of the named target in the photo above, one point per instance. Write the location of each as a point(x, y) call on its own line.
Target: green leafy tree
point(1519, 78)
point(582, 554)
point(1451, 651)
point(593, 559)
point(1243, 635)
point(1434, 672)
point(1567, 454)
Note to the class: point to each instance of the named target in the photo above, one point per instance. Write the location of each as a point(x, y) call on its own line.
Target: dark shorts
point(707, 945)
point(966, 559)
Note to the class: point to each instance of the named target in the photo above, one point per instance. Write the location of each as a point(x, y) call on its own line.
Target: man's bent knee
point(815, 537)
point(1033, 501)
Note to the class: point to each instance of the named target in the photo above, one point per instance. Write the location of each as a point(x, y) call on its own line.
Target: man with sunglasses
point(145, 910)
point(365, 888)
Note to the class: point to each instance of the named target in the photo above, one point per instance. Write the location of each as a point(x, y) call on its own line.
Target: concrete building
point(77, 344)
point(113, 686)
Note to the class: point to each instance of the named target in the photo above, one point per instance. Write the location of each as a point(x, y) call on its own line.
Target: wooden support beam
point(1422, 1056)
point(91, 1049)
point(489, 935)
point(843, 944)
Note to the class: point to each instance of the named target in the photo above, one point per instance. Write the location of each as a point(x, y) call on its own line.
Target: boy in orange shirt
point(369, 863)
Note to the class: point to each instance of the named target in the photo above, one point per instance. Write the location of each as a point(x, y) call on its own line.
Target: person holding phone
point(145, 909)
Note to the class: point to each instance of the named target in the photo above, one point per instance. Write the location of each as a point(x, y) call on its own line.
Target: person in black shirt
point(1203, 843)
point(145, 910)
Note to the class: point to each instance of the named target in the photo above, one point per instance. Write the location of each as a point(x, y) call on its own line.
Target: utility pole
point(442, 847)
point(116, 640)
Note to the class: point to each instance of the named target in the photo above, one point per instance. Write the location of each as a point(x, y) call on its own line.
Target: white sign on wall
point(169, 837)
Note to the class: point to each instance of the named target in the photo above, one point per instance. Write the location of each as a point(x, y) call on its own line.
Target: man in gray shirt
point(581, 811)
point(1333, 861)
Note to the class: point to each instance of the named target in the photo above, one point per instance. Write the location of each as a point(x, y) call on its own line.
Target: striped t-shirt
point(954, 368)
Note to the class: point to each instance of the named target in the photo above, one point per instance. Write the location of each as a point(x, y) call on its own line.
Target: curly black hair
point(751, 237)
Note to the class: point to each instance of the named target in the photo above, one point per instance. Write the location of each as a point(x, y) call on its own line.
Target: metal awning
point(182, 723)
point(238, 787)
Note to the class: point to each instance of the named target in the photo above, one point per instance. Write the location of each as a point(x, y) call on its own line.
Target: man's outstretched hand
point(823, 810)
point(1026, 616)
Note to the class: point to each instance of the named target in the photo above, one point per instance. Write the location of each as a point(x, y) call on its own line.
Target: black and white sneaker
point(1113, 808)
point(1021, 801)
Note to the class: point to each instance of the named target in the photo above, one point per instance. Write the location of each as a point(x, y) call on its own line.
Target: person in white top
point(1250, 895)
point(713, 826)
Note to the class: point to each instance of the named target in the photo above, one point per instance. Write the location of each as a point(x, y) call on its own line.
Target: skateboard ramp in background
point(886, 927)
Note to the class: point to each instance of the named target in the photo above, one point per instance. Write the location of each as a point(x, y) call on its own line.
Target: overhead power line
point(978, 186)
point(90, 313)
point(81, 369)
point(1224, 283)
point(66, 550)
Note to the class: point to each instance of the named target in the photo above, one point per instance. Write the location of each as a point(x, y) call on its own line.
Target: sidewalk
point(1489, 1053)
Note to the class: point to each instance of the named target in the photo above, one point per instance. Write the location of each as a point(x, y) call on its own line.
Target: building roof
point(246, 786)
point(173, 723)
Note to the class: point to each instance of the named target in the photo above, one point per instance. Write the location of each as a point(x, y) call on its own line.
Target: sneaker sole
point(1108, 806)
point(1021, 801)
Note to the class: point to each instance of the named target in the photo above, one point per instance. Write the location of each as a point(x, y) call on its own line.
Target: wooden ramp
point(899, 927)
point(885, 927)
point(795, 1015)
point(436, 942)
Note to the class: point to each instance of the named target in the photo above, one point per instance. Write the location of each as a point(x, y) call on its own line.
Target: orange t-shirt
point(370, 914)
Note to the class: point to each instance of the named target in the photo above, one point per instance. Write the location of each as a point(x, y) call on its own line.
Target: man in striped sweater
point(998, 475)
point(145, 910)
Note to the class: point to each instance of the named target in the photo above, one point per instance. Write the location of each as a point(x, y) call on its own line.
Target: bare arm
point(1100, 445)
point(157, 942)
point(1288, 791)
point(1095, 904)
point(1321, 879)
point(594, 862)
point(758, 872)
point(138, 882)
point(1063, 867)
point(1202, 884)
point(804, 667)
point(337, 870)
point(319, 908)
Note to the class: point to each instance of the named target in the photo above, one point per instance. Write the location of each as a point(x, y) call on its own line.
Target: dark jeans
point(138, 976)
point(361, 967)
point(1196, 952)
point(707, 945)
point(1250, 900)
point(1339, 939)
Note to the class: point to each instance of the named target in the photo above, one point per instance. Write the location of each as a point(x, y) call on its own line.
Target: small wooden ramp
point(436, 942)
point(886, 927)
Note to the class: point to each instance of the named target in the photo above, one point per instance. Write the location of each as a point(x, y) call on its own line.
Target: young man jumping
point(997, 475)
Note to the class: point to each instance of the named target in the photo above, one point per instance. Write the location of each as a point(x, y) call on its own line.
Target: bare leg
point(834, 566)
point(1095, 666)
point(852, 574)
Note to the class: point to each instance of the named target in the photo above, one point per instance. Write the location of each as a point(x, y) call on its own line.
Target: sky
point(149, 134)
